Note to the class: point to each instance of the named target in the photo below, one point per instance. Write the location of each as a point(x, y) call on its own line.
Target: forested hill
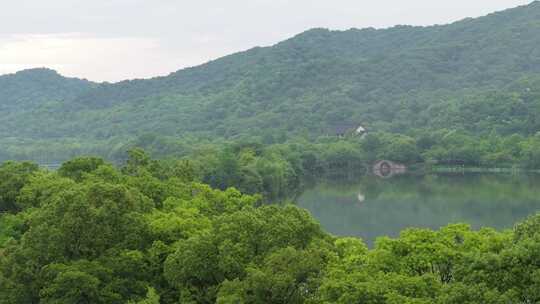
point(477, 76)
point(29, 88)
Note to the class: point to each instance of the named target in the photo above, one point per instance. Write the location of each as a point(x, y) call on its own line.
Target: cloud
point(100, 58)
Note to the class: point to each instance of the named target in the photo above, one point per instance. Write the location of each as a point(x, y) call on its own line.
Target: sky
point(113, 40)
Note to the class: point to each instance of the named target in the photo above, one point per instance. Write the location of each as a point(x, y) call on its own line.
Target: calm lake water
point(373, 207)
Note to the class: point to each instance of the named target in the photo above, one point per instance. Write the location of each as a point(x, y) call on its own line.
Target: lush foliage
point(474, 79)
point(149, 233)
point(253, 128)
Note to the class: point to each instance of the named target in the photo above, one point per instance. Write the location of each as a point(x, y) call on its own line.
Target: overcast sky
point(111, 40)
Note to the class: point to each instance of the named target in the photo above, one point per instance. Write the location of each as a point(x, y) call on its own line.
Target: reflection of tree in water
point(390, 205)
point(371, 187)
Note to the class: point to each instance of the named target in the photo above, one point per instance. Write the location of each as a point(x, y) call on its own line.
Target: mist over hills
point(477, 76)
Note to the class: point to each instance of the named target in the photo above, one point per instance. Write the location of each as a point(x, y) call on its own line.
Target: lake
point(373, 207)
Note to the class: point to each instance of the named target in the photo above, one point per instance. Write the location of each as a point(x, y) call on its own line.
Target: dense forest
point(430, 87)
point(180, 189)
point(151, 232)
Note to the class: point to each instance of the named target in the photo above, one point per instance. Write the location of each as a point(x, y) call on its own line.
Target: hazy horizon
point(119, 39)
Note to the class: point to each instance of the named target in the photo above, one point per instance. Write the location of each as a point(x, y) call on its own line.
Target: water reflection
point(374, 207)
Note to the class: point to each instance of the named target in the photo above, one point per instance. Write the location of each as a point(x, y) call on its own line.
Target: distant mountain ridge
point(400, 79)
point(30, 87)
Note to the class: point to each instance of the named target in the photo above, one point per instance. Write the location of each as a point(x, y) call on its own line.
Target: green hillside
point(476, 76)
point(32, 88)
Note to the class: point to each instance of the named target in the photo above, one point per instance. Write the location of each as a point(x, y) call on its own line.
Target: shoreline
point(464, 169)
